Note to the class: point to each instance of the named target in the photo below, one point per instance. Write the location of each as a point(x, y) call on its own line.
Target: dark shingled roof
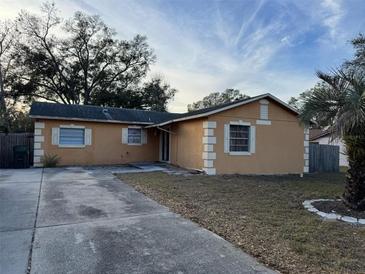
point(105, 114)
point(318, 133)
point(204, 110)
point(87, 112)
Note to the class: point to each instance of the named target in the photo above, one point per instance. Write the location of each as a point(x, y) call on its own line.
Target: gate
point(16, 150)
point(324, 158)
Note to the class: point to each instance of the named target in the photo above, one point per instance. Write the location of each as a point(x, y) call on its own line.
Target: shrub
point(50, 160)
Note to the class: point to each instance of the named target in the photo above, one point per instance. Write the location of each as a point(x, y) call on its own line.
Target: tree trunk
point(354, 195)
point(4, 115)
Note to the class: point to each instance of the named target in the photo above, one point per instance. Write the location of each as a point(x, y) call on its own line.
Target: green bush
point(50, 160)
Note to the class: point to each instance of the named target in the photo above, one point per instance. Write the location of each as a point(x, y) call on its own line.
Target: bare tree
point(81, 65)
point(7, 40)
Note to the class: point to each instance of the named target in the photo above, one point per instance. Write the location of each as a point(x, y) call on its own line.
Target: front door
point(165, 146)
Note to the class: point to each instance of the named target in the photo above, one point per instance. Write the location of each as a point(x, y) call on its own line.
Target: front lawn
point(264, 216)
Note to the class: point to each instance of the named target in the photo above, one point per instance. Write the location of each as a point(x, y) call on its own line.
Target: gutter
point(162, 129)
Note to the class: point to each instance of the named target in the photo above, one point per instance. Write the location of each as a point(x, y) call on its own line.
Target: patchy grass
point(264, 216)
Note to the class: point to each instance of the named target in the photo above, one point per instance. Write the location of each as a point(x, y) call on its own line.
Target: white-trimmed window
point(72, 136)
point(239, 138)
point(135, 136)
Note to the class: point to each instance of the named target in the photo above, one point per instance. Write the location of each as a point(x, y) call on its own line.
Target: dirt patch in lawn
point(338, 207)
point(265, 217)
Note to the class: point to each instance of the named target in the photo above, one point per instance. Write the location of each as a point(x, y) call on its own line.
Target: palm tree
point(341, 103)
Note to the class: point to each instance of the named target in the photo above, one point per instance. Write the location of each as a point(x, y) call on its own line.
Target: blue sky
point(204, 46)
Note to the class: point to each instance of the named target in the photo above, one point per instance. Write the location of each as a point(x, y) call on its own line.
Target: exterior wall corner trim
point(209, 140)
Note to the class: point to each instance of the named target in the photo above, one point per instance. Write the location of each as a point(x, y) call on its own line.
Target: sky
point(204, 46)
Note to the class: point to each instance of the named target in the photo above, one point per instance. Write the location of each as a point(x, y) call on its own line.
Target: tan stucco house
point(259, 135)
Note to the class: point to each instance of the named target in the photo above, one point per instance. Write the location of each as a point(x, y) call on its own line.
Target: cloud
point(246, 23)
point(86, 7)
point(333, 13)
point(204, 46)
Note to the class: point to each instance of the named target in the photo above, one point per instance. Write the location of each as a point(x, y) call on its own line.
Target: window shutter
point(125, 135)
point(88, 134)
point(252, 139)
point(226, 138)
point(55, 135)
point(144, 136)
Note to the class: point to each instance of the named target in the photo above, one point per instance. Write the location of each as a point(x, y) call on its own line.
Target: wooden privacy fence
point(7, 143)
point(324, 158)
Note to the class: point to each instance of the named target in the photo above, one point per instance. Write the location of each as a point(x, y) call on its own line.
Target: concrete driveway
point(75, 220)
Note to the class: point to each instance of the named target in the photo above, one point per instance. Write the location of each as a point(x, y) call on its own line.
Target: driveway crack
point(29, 265)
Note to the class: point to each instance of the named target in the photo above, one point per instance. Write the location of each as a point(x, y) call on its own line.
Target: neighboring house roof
point(122, 115)
point(317, 133)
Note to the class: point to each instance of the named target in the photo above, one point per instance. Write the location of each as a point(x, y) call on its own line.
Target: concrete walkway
point(87, 221)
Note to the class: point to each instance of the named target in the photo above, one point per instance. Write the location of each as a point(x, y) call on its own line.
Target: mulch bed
point(338, 207)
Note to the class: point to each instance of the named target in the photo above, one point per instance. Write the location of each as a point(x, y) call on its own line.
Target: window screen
point(134, 136)
point(239, 138)
point(72, 136)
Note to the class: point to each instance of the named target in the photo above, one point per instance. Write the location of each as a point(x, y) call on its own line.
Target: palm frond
point(340, 102)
